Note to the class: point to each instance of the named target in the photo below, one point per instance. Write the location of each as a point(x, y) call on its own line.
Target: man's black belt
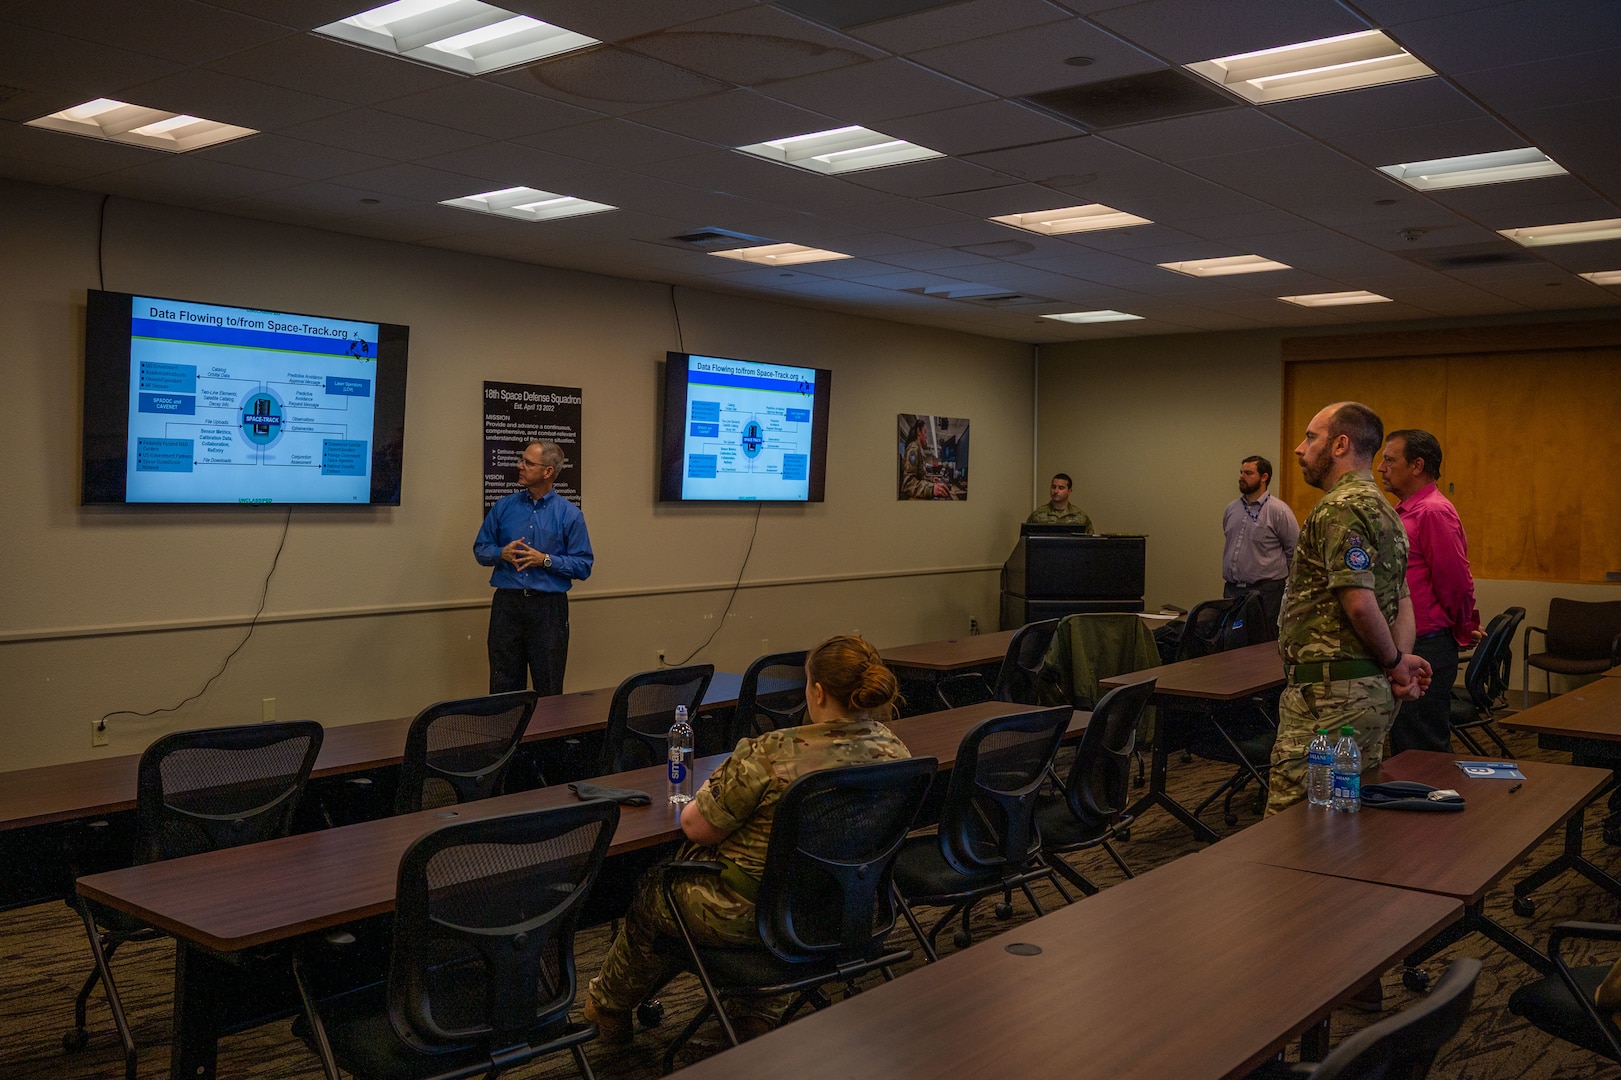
point(533, 592)
point(1331, 671)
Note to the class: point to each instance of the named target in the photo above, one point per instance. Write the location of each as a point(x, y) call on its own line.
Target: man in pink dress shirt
point(1438, 577)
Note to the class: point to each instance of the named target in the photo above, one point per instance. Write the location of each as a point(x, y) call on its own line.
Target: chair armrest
point(1525, 646)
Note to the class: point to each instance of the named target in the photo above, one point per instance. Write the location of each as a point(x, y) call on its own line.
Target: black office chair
point(782, 675)
point(1581, 638)
point(1086, 811)
point(1562, 1003)
point(1485, 684)
point(642, 710)
point(481, 975)
point(987, 842)
point(1016, 681)
point(196, 791)
point(458, 751)
point(1402, 1047)
point(825, 905)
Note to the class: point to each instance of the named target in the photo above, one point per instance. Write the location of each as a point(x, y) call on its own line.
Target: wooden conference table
point(952, 654)
point(239, 898)
point(1586, 723)
point(1199, 969)
point(83, 789)
point(1223, 676)
point(1458, 855)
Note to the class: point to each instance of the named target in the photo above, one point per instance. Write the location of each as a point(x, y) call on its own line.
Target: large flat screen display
point(743, 431)
point(188, 402)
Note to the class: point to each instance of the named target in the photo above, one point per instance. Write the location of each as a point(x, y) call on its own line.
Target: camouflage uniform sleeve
point(733, 791)
point(1350, 541)
point(1085, 522)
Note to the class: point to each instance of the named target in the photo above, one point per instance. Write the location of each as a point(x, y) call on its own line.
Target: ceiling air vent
point(983, 295)
point(1471, 256)
point(7, 93)
point(718, 239)
point(844, 14)
point(1135, 99)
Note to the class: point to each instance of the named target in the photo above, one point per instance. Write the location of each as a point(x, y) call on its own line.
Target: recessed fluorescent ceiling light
point(1326, 66)
point(1571, 232)
point(1603, 277)
point(841, 150)
point(1335, 299)
point(528, 204)
point(1072, 219)
point(462, 35)
point(1091, 316)
point(117, 121)
point(1476, 169)
point(780, 254)
point(1233, 264)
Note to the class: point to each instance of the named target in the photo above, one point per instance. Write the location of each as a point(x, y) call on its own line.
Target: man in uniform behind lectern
point(1059, 511)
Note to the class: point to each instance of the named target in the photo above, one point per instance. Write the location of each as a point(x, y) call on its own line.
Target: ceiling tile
point(292, 157)
point(956, 22)
point(753, 46)
point(617, 21)
point(1185, 31)
point(333, 69)
point(937, 176)
point(1513, 33)
point(506, 164)
point(1207, 135)
point(616, 142)
point(752, 178)
point(736, 118)
point(972, 129)
point(1455, 139)
point(1594, 76)
point(487, 108)
point(233, 100)
point(211, 179)
point(384, 134)
point(416, 182)
point(1374, 108)
point(297, 14)
point(1036, 58)
point(36, 60)
point(82, 157)
point(178, 30)
point(874, 92)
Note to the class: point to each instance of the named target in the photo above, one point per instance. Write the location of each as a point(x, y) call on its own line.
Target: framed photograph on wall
point(933, 456)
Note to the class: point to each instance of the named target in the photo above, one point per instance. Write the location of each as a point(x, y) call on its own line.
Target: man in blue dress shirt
point(537, 542)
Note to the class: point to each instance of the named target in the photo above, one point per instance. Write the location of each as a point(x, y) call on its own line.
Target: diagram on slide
point(748, 435)
point(254, 414)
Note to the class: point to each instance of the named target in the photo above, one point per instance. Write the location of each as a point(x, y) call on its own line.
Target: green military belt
point(739, 880)
point(1331, 671)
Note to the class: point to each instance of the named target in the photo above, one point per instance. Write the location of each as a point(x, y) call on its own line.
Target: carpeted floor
point(43, 957)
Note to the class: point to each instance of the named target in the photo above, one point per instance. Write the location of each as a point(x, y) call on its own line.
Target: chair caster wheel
point(1524, 907)
point(1124, 834)
point(962, 939)
point(1415, 979)
point(1004, 911)
point(1230, 819)
point(650, 1013)
point(75, 1040)
point(1612, 831)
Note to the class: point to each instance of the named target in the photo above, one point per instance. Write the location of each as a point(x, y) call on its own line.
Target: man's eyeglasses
point(531, 464)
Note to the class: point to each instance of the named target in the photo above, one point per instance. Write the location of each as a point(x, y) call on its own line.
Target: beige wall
point(375, 612)
point(1153, 429)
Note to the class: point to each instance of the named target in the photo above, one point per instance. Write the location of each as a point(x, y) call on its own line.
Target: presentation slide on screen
point(748, 430)
point(234, 405)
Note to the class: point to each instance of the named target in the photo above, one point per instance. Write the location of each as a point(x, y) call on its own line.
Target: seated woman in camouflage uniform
point(848, 692)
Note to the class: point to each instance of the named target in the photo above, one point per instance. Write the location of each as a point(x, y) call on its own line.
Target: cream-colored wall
point(1153, 430)
point(374, 612)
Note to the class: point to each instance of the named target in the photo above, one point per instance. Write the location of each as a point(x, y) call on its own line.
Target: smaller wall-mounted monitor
point(743, 431)
point(188, 402)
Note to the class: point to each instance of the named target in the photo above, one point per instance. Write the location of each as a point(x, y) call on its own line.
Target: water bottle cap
point(681, 710)
point(1348, 729)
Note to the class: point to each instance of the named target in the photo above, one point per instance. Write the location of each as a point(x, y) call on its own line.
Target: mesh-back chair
point(1086, 811)
point(825, 906)
point(642, 710)
point(1562, 1003)
point(771, 696)
point(1238, 733)
point(458, 751)
point(1401, 1047)
point(481, 975)
point(987, 842)
point(1581, 638)
point(1485, 681)
point(197, 791)
point(1016, 681)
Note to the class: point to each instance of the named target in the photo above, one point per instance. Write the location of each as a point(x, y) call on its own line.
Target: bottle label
point(678, 771)
point(1347, 785)
point(1320, 757)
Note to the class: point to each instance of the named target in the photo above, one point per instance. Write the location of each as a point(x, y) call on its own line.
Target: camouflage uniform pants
point(1366, 704)
point(637, 963)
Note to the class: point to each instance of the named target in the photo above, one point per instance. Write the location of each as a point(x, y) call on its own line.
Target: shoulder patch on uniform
point(1357, 559)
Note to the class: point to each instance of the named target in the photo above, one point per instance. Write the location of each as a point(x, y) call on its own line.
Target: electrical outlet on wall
point(269, 715)
point(661, 658)
point(98, 733)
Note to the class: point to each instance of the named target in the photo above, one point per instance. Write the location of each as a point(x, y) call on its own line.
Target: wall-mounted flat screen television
point(188, 402)
point(743, 431)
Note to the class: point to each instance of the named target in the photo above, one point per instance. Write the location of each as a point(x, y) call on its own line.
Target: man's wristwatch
point(1388, 666)
point(546, 563)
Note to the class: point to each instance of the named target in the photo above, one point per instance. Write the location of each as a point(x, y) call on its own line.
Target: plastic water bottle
point(1347, 772)
point(680, 758)
point(1319, 766)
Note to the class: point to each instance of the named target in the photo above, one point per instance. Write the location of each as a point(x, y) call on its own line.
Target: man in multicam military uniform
point(1059, 511)
point(1347, 621)
point(729, 822)
point(916, 483)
